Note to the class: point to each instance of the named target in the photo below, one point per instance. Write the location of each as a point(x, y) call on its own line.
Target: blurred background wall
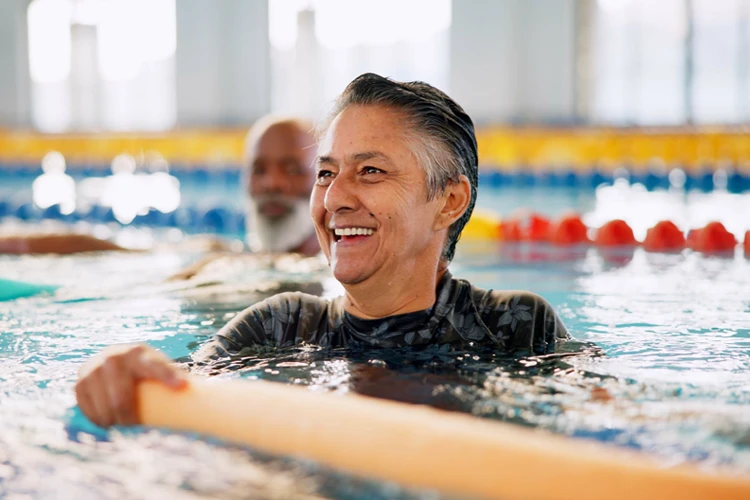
point(563, 92)
point(153, 65)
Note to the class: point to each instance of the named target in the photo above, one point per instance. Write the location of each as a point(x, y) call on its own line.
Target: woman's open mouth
point(352, 234)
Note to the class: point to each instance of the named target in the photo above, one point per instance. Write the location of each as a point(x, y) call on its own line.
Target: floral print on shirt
point(520, 323)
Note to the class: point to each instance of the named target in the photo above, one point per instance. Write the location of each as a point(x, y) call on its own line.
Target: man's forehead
point(276, 143)
point(267, 129)
point(284, 135)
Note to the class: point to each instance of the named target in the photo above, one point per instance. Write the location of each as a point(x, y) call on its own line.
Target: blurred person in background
point(278, 178)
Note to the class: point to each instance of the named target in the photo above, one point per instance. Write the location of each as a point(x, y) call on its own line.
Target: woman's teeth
point(353, 231)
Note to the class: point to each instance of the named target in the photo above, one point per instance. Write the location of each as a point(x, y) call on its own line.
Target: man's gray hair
point(440, 134)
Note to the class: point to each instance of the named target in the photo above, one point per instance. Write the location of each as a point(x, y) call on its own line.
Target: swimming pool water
point(673, 377)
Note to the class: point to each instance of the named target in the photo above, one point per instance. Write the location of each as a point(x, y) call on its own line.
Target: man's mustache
point(277, 199)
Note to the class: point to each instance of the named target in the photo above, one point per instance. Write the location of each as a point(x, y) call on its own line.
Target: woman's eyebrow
point(368, 155)
point(353, 158)
point(326, 160)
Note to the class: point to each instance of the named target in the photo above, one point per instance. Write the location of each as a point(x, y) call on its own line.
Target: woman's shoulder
point(286, 303)
point(514, 311)
point(493, 300)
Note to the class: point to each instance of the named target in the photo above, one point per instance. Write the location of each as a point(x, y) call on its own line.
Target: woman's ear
point(456, 198)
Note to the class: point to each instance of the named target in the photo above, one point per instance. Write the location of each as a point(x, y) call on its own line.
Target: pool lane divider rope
point(569, 229)
point(420, 447)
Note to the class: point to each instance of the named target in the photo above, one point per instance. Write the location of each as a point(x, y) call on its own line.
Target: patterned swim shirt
point(520, 323)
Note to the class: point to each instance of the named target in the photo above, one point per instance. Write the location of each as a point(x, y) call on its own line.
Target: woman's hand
point(106, 389)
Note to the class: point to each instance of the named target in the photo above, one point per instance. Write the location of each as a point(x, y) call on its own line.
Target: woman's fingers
point(92, 399)
point(106, 390)
point(119, 385)
point(150, 364)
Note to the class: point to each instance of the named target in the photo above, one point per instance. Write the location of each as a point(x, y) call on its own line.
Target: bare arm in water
point(195, 267)
point(62, 244)
point(70, 243)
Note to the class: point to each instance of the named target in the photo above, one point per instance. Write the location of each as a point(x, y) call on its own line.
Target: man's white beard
point(279, 235)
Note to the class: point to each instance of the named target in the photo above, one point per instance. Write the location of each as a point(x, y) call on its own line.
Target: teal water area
point(670, 377)
point(673, 379)
point(11, 289)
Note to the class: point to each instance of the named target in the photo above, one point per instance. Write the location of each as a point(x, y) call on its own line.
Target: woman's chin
point(349, 275)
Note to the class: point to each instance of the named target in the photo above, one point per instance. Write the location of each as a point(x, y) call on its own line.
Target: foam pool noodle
point(416, 446)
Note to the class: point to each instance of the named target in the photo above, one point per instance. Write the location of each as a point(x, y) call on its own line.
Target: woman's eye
point(372, 170)
point(324, 177)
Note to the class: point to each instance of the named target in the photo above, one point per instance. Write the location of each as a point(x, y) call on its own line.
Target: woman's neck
point(398, 295)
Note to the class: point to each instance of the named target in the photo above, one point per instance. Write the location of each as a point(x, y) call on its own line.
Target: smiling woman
point(396, 183)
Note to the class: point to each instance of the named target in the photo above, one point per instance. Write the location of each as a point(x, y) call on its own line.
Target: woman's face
point(369, 203)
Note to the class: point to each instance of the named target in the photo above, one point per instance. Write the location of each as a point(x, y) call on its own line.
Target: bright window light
point(133, 32)
point(282, 22)
point(347, 23)
point(49, 40)
point(613, 6)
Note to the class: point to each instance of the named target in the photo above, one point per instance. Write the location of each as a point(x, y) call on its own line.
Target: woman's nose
point(341, 194)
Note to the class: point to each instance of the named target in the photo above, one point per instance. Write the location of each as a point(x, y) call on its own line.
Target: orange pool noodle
point(615, 233)
point(420, 447)
point(665, 236)
point(568, 230)
point(747, 242)
point(712, 238)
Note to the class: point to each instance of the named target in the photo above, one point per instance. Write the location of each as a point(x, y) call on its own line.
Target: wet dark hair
point(441, 134)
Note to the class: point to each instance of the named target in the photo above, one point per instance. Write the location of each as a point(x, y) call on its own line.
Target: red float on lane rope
point(615, 233)
point(568, 230)
point(665, 236)
point(536, 228)
point(713, 238)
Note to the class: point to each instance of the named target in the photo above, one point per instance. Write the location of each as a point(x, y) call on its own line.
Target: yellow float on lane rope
point(482, 225)
point(420, 447)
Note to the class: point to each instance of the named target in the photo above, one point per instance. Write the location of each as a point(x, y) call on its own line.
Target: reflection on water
point(673, 378)
point(54, 186)
point(134, 188)
point(130, 193)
